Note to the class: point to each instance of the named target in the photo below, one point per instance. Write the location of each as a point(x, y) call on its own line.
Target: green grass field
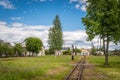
point(36, 68)
point(112, 72)
point(51, 68)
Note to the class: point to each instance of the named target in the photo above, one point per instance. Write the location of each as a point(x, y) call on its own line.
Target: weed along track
point(76, 73)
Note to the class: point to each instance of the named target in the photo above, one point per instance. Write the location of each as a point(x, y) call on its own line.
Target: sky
point(20, 19)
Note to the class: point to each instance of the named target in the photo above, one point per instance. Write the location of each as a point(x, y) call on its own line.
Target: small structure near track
point(42, 52)
point(58, 53)
point(99, 53)
point(84, 52)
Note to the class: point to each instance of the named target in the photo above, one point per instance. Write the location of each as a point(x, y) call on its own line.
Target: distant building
point(42, 52)
point(58, 53)
point(85, 52)
point(99, 53)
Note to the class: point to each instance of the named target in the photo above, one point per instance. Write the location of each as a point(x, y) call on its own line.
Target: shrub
point(93, 50)
point(67, 52)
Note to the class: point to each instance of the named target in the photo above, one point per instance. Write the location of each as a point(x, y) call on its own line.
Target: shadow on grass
point(7, 59)
point(110, 65)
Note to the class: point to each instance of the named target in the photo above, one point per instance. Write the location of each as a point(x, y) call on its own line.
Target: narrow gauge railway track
point(76, 73)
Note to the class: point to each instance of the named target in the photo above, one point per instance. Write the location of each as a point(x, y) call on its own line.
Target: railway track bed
point(76, 73)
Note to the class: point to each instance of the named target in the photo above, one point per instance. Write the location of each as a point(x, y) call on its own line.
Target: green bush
point(67, 52)
point(77, 50)
point(93, 50)
point(116, 52)
point(46, 52)
point(49, 51)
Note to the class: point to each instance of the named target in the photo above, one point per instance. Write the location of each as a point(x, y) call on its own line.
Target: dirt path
point(90, 73)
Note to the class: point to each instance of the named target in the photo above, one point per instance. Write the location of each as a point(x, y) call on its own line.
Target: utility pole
point(72, 54)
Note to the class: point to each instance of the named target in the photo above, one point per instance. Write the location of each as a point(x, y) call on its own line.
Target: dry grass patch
point(57, 70)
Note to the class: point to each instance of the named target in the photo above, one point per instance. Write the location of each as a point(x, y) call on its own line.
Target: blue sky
point(43, 12)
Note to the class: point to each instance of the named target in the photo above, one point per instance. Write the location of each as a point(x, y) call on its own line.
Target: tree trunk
point(100, 44)
point(106, 59)
point(6, 55)
point(106, 47)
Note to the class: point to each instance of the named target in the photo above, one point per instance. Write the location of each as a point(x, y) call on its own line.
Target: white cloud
point(77, 6)
point(17, 32)
point(41, 0)
point(15, 18)
point(71, 1)
point(6, 4)
point(83, 7)
point(77, 38)
point(80, 4)
point(80, 1)
point(3, 23)
point(38, 28)
point(17, 25)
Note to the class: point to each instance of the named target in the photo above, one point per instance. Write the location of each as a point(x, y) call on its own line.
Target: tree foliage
point(1, 50)
point(6, 49)
point(93, 50)
point(77, 50)
point(103, 19)
point(67, 52)
point(56, 35)
point(18, 49)
point(33, 44)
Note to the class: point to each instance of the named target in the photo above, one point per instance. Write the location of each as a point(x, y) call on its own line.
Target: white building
point(99, 53)
point(84, 53)
point(41, 52)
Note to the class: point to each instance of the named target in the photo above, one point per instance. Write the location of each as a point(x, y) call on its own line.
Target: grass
point(35, 68)
point(112, 72)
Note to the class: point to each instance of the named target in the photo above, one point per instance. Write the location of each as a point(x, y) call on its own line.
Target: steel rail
point(79, 67)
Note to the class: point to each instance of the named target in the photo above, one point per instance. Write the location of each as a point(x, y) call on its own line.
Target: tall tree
point(56, 35)
point(103, 20)
point(33, 44)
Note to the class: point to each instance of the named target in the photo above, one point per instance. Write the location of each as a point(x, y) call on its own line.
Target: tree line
point(32, 44)
point(6, 49)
